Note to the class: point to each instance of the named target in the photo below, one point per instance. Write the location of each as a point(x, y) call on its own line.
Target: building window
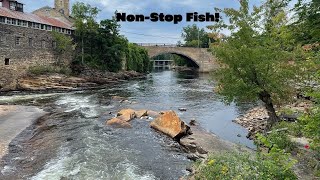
point(9, 21)
point(6, 61)
point(30, 42)
point(43, 44)
point(30, 24)
point(24, 23)
point(18, 41)
point(2, 38)
point(12, 6)
point(37, 26)
point(19, 22)
point(13, 21)
point(43, 26)
point(49, 28)
point(19, 7)
point(2, 20)
point(54, 44)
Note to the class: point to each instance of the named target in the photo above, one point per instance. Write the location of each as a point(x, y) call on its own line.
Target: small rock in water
point(182, 109)
point(192, 122)
point(189, 169)
point(239, 135)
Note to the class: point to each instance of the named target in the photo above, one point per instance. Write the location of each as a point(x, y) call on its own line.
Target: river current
point(74, 142)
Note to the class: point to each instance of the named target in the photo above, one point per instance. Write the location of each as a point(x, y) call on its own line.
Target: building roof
point(34, 18)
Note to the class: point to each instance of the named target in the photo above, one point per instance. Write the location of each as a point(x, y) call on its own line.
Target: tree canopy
point(195, 37)
point(104, 48)
point(258, 60)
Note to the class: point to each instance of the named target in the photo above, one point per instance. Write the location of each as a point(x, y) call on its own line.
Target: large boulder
point(153, 114)
point(141, 113)
point(126, 114)
point(170, 124)
point(116, 122)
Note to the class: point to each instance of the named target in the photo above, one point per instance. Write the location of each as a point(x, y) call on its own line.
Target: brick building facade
point(26, 38)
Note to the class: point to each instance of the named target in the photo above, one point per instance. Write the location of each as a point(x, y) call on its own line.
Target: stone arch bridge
point(203, 60)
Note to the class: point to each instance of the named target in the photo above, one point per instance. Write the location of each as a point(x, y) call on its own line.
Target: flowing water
point(73, 141)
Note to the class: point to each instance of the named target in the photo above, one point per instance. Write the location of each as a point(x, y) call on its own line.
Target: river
point(74, 143)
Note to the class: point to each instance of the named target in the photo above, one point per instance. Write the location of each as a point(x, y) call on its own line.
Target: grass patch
point(49, 69)
point(242, 166)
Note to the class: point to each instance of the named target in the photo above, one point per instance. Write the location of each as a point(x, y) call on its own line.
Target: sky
point(157, 32)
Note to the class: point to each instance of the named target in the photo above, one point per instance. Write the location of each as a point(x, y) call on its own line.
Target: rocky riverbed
point(74, 141)
point(255, 119)
point(88, 79)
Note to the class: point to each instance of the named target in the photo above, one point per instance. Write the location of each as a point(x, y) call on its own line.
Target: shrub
point(242, 166)
point(49, 69)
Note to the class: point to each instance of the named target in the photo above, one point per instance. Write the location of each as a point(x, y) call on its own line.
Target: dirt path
point(13, 120)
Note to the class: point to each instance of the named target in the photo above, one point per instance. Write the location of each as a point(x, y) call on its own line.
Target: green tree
point(257, 62)
point(63, 45)
point(194, 36)
point(307, 26)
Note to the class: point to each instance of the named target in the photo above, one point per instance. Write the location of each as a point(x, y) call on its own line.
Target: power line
point(140, 34)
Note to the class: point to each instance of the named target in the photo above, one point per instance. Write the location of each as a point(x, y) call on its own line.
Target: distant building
point(26, 38)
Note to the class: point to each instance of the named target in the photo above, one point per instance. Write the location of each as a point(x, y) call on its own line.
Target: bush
point(49, 69)
point(294, 128)
point(242, 166)
point(282, 140)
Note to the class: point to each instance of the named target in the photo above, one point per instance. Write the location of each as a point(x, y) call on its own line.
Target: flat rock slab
point(13, 120)
point(202, 142)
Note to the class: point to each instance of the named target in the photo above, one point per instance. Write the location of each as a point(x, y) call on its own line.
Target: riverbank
point(13, 120)
point(88, 79)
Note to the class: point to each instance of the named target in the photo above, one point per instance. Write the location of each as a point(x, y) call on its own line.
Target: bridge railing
point(157, 44)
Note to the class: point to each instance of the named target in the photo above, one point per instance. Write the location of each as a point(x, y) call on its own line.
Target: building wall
point(62, 5)
point(5, 3)
point(50, 12)
point(24, 47)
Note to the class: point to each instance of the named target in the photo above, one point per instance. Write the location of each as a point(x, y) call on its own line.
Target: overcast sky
point(165, 32)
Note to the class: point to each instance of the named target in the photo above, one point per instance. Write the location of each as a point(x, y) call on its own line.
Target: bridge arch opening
point(178, 59)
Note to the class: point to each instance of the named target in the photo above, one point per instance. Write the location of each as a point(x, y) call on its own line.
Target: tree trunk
point(273, 118)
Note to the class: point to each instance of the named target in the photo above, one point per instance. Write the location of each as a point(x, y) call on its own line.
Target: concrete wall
point(35, 47)
point(204, 59)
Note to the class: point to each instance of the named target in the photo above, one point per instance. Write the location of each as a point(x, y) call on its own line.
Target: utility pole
point(199, 38)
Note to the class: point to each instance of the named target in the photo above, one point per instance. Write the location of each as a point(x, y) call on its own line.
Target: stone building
point(26, 38)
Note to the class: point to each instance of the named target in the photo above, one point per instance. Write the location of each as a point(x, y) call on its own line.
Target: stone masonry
point(22, 47)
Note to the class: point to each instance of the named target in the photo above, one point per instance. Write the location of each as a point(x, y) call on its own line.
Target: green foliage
point(137, 59)
point(49, 69)
point(279, 139)
point(244, 166)
point(194, 36)
point(258, 57)
point(102, 46)
point(64, 42)
point(85, 17)
point(294, 128)
point(311, 124)
point(308, 24)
